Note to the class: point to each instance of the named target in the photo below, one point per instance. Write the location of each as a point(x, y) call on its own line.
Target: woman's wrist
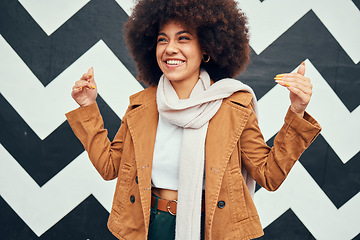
point(86, 104)
point(300, 114)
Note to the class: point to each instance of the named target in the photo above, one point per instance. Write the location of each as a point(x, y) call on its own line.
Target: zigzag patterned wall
point(48, 187)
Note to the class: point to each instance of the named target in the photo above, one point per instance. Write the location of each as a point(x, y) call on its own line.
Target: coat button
point(132, 199)
point(136, 179)
point(221, 204)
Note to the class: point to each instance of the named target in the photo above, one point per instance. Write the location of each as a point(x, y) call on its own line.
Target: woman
point(189, 147)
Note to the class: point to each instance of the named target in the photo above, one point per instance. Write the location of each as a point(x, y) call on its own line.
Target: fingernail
point(80, 88)
point(93, 87)
point(282, 83)
point(90, 76)
point(277, 78)
point(303, 63)
point(280, 75)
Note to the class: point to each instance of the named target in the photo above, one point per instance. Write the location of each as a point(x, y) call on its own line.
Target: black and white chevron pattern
point(48, 187)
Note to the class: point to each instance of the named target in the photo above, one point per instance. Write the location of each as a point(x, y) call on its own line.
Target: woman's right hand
point(84, 92)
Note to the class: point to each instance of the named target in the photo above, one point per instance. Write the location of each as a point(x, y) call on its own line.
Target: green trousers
point(162, 224)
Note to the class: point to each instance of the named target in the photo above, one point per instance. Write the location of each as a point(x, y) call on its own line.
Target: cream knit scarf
point(193, 115)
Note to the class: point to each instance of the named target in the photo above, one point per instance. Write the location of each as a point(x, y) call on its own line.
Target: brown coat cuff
point(307, 127)
point(83, 114)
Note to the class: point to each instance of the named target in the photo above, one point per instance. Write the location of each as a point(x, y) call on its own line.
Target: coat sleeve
point(87, 124)
point(270, 166)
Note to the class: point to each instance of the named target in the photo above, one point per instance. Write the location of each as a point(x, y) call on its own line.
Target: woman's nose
point(172, 48)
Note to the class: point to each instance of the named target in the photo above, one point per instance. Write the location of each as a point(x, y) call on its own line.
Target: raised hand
point(84, 92)
point(300, 89)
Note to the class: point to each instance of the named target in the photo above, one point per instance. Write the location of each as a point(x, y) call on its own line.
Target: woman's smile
point(173, 63)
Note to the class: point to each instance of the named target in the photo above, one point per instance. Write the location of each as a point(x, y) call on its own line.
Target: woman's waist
point(165, 193)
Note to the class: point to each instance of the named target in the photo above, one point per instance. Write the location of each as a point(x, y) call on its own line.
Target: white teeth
point(173, 62)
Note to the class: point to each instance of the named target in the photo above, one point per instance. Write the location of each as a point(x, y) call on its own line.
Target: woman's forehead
point(180, 27)
point(178, 23)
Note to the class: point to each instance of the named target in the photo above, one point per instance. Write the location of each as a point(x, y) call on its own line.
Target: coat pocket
point(122, 186)
point(236, 195)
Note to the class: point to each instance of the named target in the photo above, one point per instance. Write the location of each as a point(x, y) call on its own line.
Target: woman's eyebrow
point(182, 32)
point(178, 33)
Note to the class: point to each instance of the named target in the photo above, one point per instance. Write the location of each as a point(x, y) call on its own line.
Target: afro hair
point(220, 25)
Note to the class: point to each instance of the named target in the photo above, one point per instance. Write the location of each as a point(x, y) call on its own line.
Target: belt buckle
point(168, 206)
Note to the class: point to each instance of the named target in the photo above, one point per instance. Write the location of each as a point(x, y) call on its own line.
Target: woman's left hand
point(300, 89)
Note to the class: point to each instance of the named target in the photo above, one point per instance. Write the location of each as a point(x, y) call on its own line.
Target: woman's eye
point(184, 38)
point(161, 40)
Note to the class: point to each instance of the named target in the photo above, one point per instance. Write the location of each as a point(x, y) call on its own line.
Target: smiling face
point(179, 54)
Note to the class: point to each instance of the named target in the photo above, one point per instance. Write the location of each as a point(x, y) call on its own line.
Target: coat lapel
point(142, 122)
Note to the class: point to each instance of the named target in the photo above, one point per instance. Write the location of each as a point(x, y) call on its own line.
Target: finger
point(88, 86)
point(81, 84)
point(296, 86)
point(90, 72)
point(88, 75)
point(301, 69)
point(85, 77)
point(92, 80)
point(296, 78)
point(76, 90)
point(282, 79)
point(304, 86)
point(292, 79)
point(282, 83)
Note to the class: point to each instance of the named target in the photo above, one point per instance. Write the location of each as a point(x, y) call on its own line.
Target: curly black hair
point(220, 25)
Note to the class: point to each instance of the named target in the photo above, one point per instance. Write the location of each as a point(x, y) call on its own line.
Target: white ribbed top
point(165, 169)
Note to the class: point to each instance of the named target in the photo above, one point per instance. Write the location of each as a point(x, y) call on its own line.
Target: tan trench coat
point(233, 140)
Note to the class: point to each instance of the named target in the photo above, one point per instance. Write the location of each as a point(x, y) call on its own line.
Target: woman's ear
point(205, 58)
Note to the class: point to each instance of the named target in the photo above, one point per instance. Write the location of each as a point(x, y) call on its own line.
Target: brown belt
point(169, 205)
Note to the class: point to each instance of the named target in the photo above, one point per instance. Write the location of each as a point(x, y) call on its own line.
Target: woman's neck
point(184, 88)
